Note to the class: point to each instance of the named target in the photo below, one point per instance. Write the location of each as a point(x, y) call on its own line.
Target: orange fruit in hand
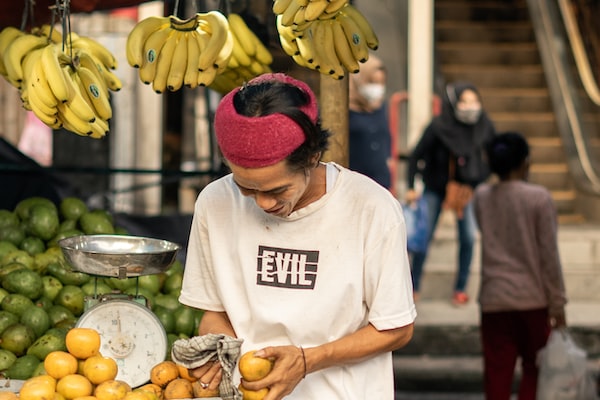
point(254, 368)
point(112, 390)
point(60, 363)
point(99, 369)
point(178, 388)
point(253, 394)
point(83, 342)
point(200, 392)
point(74, 385)
point(163, 373)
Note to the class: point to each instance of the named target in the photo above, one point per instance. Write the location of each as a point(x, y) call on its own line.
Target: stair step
point(483, 53)
point(521, 76)
point(530, 124)
point(546, 150)
point(481, 10)
point(469, 32)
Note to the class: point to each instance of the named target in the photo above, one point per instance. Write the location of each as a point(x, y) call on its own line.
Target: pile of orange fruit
point(169, 381)
point(81, 373)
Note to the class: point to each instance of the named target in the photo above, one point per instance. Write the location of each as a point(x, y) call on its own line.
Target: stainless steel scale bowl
point(130, 333)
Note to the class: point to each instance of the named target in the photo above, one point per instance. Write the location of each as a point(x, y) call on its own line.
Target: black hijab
point(460, 138)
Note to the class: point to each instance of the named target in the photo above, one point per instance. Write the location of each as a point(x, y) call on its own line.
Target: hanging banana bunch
point(250, 57)
point(67, 88)
point(332, 37)
point(170, 52)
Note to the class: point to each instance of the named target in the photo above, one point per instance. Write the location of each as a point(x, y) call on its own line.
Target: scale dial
point(131, 334)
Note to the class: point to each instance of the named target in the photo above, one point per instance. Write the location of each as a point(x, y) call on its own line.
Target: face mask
point(372, 92)
point(468, 116)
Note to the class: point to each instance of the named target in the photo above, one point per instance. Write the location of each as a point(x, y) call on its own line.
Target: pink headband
point(254, 142)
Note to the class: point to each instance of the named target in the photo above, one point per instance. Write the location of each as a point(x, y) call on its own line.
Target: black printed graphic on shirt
point(294, 269)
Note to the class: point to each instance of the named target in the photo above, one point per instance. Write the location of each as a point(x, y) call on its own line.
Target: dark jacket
point(444, 137)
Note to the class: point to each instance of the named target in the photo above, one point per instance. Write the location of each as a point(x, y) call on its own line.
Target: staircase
point(492, 44)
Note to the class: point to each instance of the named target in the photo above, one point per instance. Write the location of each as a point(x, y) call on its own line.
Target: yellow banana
point(287, 18)
point(178, 63)
point(96, 48)
point(49, 118)
point(77, 103)
point(324, 47)
point(16, 51)
point(224, 55)
point(35, 102)
point(190, 78)
point(30, 60)
point(244, 35)
point(97, 96)
point(54, 74)
point(300, 16)
point(314, 9)
point(219, 36)
point(307, 50)
point(333, 7)
point(7, 36)
point(263, 54)
point(163, 63)
point(72, 122)
point(363, 24)
point(279, 6)
point(152, 48)
point(207, 76)
point(290, 47)
point(51, 32)
point(38, 83)
point(342, 48)
point(139, 34)
point(239, 53)
point(99, 128)
point(87, 60)
point(354, 37)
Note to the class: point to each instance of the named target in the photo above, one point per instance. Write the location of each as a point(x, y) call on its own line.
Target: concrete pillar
point(420, 67)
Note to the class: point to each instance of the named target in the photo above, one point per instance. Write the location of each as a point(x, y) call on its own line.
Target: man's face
point(276, 189)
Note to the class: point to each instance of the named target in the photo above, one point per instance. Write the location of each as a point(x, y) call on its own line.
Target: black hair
point(275, 97)
point(506, 152)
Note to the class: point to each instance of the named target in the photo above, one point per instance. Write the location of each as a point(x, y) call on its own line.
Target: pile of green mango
point(42, 296)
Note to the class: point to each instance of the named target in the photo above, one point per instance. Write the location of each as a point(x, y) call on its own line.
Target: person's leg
point(499, 354)
point(533, 332)
point(467, 229)
point(434, 203)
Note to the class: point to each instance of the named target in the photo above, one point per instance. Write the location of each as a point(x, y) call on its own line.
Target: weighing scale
point(130, 332)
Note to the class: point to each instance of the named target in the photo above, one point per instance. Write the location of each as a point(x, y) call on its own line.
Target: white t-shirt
point(313, 277)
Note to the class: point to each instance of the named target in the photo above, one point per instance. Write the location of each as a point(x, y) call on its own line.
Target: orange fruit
point(99, 369)
point(138, 394)
point(73, 386)
point(151, 388)
point(58, 396)
point(38, 387)
point(253, 394)
point(185, 373)
point(200, 392)
point(83, 342)
point(8, 396)
point(163, 373)
point(60, 363)
point(86, 398)
point(112, 390)
point(178, 388)
point(254, 368)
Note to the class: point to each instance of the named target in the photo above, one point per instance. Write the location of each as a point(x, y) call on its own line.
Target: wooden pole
point(334, 117)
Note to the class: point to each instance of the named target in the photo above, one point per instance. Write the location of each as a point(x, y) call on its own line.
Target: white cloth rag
point(198, 350)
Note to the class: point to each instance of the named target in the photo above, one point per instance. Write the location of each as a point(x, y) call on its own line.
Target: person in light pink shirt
point(522, 294)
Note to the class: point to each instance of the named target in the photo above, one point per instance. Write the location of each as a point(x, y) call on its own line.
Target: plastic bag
point(417, 224)
point(563, 373)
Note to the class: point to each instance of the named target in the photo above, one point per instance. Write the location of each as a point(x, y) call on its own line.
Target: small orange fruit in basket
point(35, 388)
point(163, 373)
point(99, 369)
point(83, 342)
point(60, 363)
point(151, 388)
point(178, 388)
point(73, 386)
point(254, 368)
point(112, 390)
